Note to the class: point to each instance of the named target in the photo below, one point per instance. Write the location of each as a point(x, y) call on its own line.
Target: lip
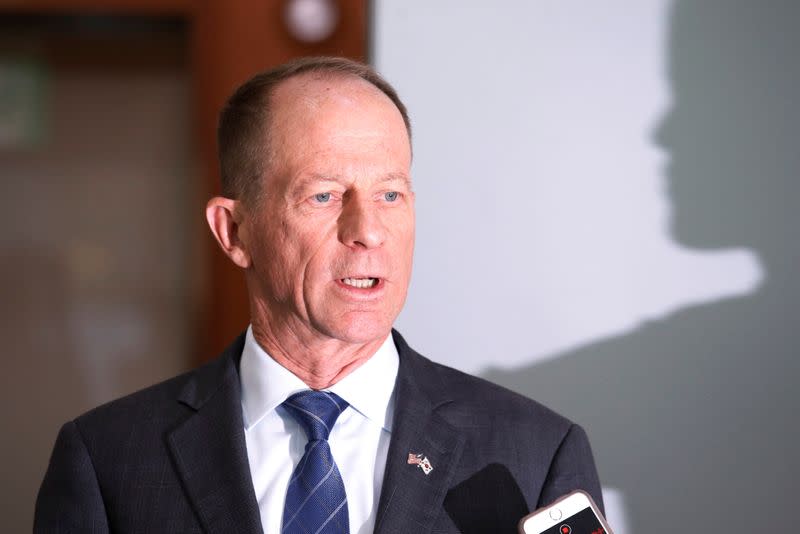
point(358, 293)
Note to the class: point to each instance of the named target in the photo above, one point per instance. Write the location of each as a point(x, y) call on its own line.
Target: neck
point(318, 360)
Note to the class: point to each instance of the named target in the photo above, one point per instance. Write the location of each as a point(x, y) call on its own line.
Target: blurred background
point(606, 219)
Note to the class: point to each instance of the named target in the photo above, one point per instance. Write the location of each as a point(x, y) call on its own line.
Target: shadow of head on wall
point(693, 414)
point(732, 134)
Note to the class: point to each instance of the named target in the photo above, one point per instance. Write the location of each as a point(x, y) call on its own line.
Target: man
point(319, 418)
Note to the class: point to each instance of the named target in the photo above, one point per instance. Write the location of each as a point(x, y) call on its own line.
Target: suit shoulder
point(156, 402)
point(482, 398)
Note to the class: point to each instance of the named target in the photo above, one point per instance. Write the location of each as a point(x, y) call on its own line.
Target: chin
point(700, 236)
point(358, 328)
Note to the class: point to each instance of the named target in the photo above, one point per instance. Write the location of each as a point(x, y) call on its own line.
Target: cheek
point(403, 237)
point(276, 259)
point(314, 250)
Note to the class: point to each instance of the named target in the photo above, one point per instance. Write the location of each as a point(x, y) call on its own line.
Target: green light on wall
point(23, 89)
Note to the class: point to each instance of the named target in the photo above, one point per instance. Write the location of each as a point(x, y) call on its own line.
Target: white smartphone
point(575, 513)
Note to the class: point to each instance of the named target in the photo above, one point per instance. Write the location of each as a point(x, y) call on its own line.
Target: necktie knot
point(315, 411)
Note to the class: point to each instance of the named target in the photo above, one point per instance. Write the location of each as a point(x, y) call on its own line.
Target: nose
point(361, 224)
point(662, 131)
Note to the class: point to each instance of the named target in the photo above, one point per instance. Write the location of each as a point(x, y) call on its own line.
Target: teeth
point(361, 283)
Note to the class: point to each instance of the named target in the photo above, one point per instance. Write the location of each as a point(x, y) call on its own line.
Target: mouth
point(360, 283)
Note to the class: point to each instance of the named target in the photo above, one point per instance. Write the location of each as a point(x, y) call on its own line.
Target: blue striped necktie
point(316, 502)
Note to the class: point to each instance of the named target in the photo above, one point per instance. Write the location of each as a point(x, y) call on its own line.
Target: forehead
point(316, 100)
point(336, 121)
point(314, 91)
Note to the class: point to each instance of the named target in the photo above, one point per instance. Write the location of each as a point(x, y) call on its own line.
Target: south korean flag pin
point(420, 460)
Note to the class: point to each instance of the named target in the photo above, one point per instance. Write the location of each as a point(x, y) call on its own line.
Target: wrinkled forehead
point(310, 94)
point(318, 108)
point(342, 128)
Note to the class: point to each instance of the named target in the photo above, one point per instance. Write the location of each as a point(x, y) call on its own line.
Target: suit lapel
point(209, 449)
point(410, 500)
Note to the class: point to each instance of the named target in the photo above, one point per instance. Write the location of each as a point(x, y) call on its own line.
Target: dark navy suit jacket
point(172, 458)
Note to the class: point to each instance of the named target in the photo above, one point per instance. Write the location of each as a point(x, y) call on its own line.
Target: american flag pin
point(420, 460)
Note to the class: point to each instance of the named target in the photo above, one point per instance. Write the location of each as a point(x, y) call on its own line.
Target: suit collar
point(208, 379)
point(415, 374)
point(410, 500)
point(209, 450)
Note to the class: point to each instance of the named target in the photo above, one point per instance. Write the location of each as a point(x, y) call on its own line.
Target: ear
point(224, 216)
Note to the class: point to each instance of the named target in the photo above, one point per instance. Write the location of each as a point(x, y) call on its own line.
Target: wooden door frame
point(230, 41)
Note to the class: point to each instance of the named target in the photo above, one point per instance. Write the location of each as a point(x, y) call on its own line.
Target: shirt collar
point(369, 389)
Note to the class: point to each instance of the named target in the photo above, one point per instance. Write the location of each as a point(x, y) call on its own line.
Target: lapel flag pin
point(421, 461)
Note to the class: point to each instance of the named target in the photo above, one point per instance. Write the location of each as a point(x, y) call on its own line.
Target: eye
point(322, 197)
point(391, 196)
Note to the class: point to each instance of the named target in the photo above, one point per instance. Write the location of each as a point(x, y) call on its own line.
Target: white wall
point(600, 228)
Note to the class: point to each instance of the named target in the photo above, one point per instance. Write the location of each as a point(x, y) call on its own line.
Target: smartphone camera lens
point(566, 529)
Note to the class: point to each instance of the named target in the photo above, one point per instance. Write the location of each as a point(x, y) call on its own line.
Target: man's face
point(332, 239)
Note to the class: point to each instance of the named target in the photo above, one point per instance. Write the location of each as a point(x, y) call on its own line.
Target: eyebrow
point(397, 177)
point(320, 178)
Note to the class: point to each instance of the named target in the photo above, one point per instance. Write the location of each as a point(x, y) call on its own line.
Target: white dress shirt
point(359, 440)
